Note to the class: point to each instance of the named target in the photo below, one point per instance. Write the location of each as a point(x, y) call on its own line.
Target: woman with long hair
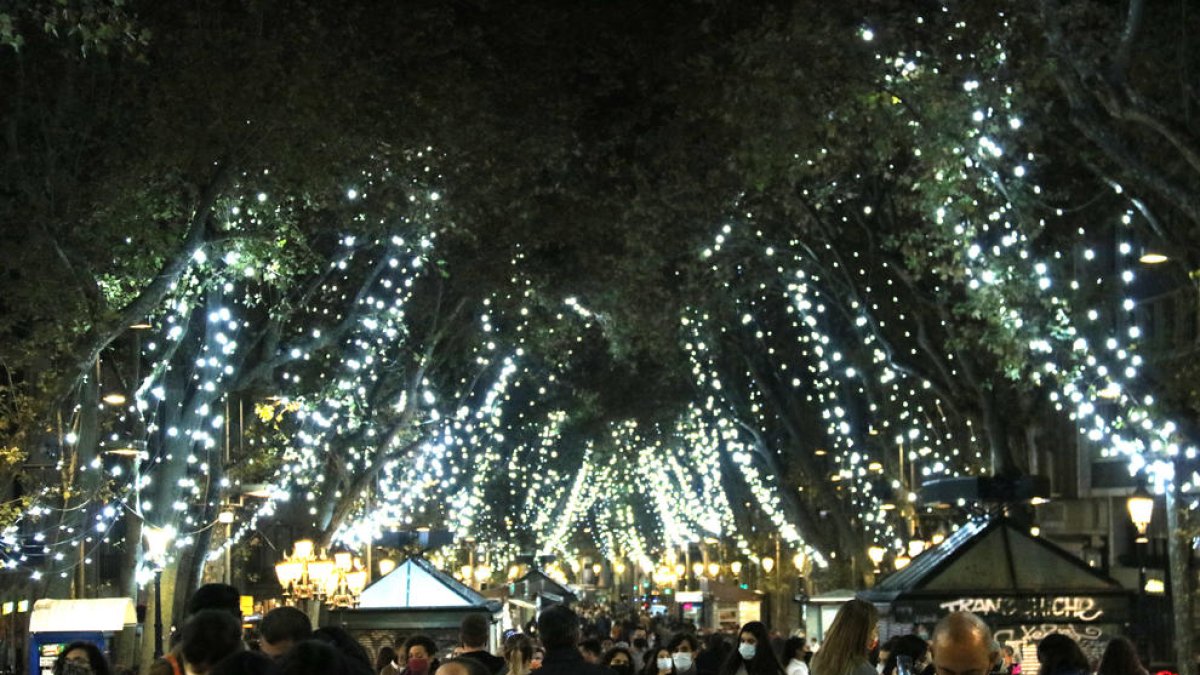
point(1120, 658)
point(518, 655)
point(1060, 655)
point(620, 660)
point(853, 632)
point(795, 651)
point(753, 655)
point(385, 662)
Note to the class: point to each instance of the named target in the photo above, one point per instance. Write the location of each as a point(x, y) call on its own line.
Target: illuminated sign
point(1071, 608)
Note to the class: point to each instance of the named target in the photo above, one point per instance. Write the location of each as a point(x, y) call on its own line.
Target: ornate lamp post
point(158, 540)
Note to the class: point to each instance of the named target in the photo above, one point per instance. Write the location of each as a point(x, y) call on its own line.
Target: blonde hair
point(845, 644)
point(518, 653)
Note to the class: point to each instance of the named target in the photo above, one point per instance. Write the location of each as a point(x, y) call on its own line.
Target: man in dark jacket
point(558, 628)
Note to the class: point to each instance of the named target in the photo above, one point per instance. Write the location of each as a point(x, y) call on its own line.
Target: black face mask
point(641, 643)
point(622, 669)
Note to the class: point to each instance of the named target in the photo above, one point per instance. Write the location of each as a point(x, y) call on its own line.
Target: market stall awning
point(993, 555)
point(104, 615)
point(537, 583)
point(417, 584)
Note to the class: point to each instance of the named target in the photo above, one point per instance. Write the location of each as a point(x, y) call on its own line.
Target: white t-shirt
point(797, 667)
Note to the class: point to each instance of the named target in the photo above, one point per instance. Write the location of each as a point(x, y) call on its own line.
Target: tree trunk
point(1179, 553)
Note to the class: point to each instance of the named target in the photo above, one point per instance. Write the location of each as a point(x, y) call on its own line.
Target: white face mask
point(683, 660)
point(747, 650)
point(664, 664)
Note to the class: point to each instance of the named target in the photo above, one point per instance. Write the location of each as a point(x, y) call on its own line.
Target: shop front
point(1023, 586)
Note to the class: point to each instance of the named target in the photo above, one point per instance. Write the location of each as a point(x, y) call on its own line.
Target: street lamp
point(876, 554)
point(768, 564)
point(1141, 512)
point(158, 540)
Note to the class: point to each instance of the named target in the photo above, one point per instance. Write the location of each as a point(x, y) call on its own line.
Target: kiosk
point(54, 624)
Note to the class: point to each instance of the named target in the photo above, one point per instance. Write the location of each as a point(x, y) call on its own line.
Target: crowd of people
point(562, 642)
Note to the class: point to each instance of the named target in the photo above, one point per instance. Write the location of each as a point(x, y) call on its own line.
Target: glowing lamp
point(876, 554)
point(386, 566)
point(114, 398)
point(303, 549)
point(735, 567)
point(356, 581)
point(800, 560)
point(158, 540)
point(698, 568)
point(1153, 258)
point(619, 568)
point(343, 560)
point(1141, 511)
point(321, 571)
point(482, 573)
point(768, 564)
point(680, 570)
point(713, 569)
point(902, 561)
point(916, 547)
point(466, 572)
point(596, 569)
point(288, 572)
point(225, 517)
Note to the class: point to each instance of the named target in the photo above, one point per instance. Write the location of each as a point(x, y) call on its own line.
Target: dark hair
point(243, 663)
point(473, 631)
point(591, 646)
point(353, 653)
point(650, 660)
point(681, 638)
point(518, 649)
point(209, 636)
point(764, 661)
point(96, 658)
point(386, 656)
point(1120, 658)
point(608, 655)
point(791, 646)
point(285, 623)
point(423, 640)
point(1059, 654)
point(911, 646)
point(473, 667)
point(311, 657)
point(216, 596)
point(558, 627)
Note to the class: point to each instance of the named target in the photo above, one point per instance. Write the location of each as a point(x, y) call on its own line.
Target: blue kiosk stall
point(54, 624)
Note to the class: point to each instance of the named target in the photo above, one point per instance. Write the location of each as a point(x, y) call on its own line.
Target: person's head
point(558, 627)
point(216, 596)
point(209, 636)
point(82, 658)
point(753, 651)
point(386, 656)
point(717, 644)
point(639, 633)
point(683, 648)
point(243, 663)
point(1120, 658)
point(794, 648)
point(658, 660)
point(311, 657)
point(419, 651)
point(590, 650)
point(1060, 654)
point(606, 644)
point(911, 647)
point(962, 645)
point(518, 652)
point(459, 666)
point(353, 653)
point(850, 637)
point(282, 628)
point(619, 660)
point(473, 632)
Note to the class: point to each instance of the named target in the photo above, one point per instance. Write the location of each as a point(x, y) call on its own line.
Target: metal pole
point(158, 625)
point(228, 554)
